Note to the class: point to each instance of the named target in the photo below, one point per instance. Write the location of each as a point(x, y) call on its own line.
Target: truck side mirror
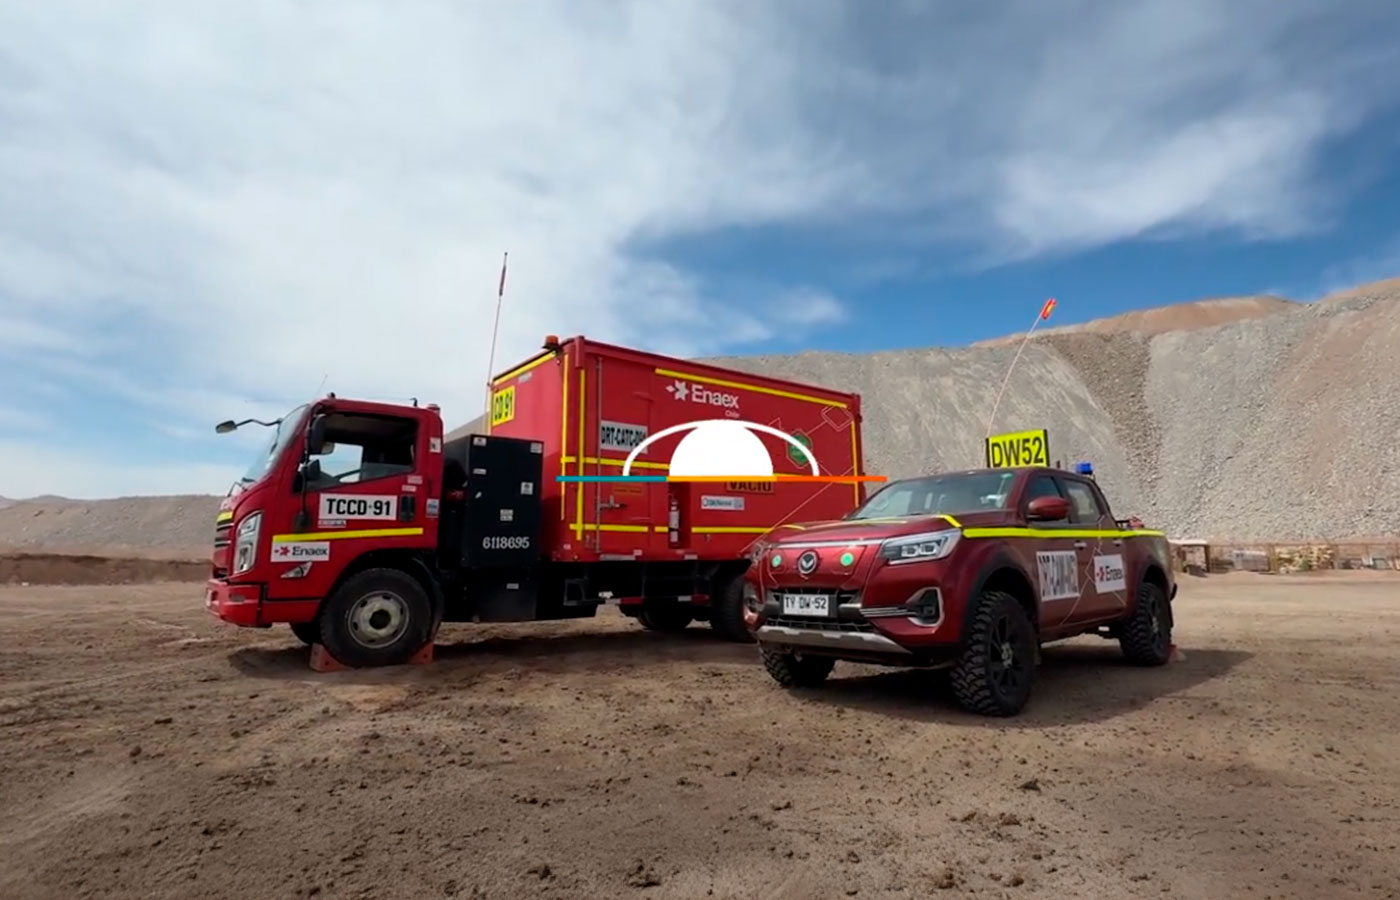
point(316, 437)
point(1047, 509)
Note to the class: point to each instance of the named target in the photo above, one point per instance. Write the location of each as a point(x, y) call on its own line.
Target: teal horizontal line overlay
point(604, 478)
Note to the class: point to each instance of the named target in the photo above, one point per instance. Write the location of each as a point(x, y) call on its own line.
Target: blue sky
point(211, 210)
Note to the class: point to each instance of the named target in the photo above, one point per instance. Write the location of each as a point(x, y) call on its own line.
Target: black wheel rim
point(1009, 658)
point(1156, 623)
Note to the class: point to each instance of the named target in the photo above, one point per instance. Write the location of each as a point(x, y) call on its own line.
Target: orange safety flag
point(1047, 308)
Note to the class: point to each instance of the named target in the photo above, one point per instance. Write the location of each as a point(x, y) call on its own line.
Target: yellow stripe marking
point(564, 445)
point(525, 367)
point(855, 462)
point(225, 516)
point(636, 464)
point(705, 379)
point(582, 414)
point(1056, 533)
point(662, 529)
point(346, 535)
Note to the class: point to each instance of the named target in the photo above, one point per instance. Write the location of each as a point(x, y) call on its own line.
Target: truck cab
point(339, 488)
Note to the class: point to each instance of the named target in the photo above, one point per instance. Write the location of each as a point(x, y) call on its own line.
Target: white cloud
point(206, 209)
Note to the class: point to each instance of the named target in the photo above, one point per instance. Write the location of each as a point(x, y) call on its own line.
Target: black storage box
point(500, 519)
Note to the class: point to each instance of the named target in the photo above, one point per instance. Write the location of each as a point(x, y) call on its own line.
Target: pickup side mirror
point(316, 437)
point(1047, 509)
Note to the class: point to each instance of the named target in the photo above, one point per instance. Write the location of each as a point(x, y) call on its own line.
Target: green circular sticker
point(847, 558)
point(776, 561)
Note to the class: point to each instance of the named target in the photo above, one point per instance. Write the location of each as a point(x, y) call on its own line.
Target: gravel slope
point(1200, 418)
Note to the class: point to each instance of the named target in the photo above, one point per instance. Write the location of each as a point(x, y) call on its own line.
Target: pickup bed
point(969, 571)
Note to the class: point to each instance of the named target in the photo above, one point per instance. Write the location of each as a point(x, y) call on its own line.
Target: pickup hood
point(842, 530)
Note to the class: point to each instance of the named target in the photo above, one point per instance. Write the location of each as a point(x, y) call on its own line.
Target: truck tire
point(1146, 636)
point(792, 670)
point(378, 617)
point(727, 611)
point(993, 675)
point(669, 616)
point(307, 632)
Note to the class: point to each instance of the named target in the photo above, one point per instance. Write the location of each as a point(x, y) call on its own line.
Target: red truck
point(967, 571)
point(360, 526)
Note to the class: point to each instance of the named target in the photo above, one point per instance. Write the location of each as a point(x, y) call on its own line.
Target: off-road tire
point(793, 670)
point(1146, 635)
point(669, 616)
point(307, 632)
point(727, 611)
point(339, 632)
point(979, 679)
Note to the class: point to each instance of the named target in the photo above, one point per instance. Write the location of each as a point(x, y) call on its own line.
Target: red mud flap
point(322, 661)
point(1175, 654)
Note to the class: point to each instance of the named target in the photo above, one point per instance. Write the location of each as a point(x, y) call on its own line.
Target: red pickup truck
point(969, 571)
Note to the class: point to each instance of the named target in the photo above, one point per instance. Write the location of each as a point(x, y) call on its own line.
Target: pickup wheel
point(793, 670)
point(668, 616)
point(1146, 636)
point(993, 675)
point(307, 632)
point(727, 611)
point(378, 617)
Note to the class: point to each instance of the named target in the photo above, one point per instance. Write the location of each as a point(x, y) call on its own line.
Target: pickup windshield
point(962, 492)
point(287, 426)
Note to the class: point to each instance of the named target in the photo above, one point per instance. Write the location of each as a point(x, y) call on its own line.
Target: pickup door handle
point(1080, 545)
point(1118, 543)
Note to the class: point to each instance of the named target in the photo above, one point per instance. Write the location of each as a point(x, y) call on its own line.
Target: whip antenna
point(495, 329)
point(1045, 311)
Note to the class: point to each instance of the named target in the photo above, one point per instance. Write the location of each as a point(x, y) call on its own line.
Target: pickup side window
point(1085, 503)
point(365, 448)
point(1042, 486)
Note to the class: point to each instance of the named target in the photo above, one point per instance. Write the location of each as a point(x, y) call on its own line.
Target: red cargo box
point(592, 403)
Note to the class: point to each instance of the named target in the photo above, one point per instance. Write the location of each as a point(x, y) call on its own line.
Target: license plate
point(806, 605)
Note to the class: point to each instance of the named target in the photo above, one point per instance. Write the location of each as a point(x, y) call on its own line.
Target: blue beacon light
point(1084, 468)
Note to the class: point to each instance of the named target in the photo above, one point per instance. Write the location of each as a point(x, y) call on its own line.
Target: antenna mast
point(495, 329)
point(1045, 311)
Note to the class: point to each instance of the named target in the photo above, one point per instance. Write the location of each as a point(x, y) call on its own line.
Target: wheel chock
point(322, 661)
point(1175, 654)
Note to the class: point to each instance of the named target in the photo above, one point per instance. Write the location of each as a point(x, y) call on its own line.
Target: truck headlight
point(245, 545)
point(919, 547)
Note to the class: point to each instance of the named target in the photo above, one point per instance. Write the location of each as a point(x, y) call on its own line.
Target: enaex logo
point(698, 393)
point(1108, 572)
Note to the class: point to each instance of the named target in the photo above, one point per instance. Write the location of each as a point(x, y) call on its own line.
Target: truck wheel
point(378, 617)
point(727, 611)
point(666, 616)
point(793, 670)
point(1146, 637)
point(994, 674)
point(307, 632)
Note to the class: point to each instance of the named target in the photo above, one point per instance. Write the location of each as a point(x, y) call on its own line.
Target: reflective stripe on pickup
point(1057, 533)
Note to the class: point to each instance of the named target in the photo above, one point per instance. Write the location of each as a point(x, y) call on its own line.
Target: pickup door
point(1102, 559)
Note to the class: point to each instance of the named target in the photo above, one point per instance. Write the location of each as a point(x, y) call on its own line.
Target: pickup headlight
point(245, 545)
point(919, 547)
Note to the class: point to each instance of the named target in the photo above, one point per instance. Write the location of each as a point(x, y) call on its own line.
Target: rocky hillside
point(1244, 418)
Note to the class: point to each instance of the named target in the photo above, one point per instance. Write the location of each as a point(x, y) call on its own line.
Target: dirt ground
point(148, 751)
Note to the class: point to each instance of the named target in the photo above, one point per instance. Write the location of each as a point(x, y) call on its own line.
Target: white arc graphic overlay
point(721, 447)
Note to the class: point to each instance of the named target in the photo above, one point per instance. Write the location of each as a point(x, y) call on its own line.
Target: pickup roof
point(969, 571)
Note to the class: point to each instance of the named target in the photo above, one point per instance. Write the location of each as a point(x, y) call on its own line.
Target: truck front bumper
point(240, 604)
point(856, 642)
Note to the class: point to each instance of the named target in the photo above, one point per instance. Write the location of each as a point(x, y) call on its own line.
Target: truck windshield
point(955, 493)
point(272, 449)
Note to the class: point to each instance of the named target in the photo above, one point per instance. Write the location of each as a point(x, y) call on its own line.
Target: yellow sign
point(503, 406)
point(1021, 448)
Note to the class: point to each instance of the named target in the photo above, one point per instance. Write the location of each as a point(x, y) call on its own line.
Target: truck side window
point(1086, 505)
point(365, 448)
